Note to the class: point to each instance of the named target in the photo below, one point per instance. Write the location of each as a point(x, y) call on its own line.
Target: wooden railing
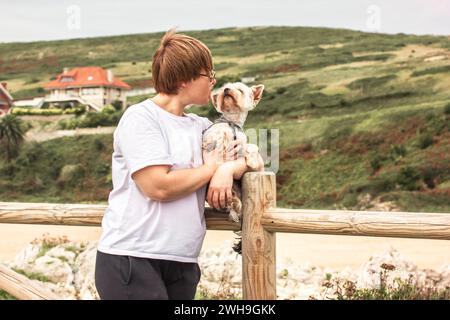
point(261, 220)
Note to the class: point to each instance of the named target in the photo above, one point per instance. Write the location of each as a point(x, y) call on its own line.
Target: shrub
point(380, 185)
point(447, 109)
point(281, 90)
point(376, 162)
point(48, 112)
point(401, 290)
point(344, 103)
point(68, 124)
point(40, 112)
point(429, 174)
point(98, 145)
point(102, 168)
point(117, 105)
point(93, 120)
point(108, 109)
point(425, 141)
point(31, 154)
point(408, 178)
point(109, 178)
point(8, 170)
point(31, 184)
point(78, 111)
point(396, 152)
point(70, 174)
point(395, 289)
point(429, 116)
point(108, 117)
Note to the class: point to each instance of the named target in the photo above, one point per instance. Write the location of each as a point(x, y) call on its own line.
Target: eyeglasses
point(211, 76)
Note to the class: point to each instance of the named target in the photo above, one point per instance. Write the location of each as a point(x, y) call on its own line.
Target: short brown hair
point(179, 58)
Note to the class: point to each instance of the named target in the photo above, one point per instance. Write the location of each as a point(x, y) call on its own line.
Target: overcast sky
point(31, 20)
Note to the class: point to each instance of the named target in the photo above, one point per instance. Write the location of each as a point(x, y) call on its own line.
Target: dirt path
point(335, 252)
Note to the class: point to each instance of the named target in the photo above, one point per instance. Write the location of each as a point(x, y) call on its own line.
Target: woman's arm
point(161, 184)
point(239, 168)
point(219, 191)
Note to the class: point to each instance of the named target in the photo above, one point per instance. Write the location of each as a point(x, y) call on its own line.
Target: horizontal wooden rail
point(23, 288)
point(84, 215)
point(359, 223)
point(338, 222)
point(52, 213)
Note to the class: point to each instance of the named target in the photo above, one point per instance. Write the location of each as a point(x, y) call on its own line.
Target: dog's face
point(236, 98)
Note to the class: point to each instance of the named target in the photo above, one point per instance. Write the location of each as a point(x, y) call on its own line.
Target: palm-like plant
point(12, 134)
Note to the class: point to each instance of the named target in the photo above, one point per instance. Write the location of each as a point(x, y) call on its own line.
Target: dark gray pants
point(131, 278)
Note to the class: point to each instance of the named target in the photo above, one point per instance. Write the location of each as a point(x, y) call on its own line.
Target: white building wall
point(93, 95)
point(100, 96)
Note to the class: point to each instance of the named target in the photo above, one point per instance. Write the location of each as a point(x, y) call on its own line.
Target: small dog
point(233, 101)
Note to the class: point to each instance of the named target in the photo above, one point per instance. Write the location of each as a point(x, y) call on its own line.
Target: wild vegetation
point(358, 114)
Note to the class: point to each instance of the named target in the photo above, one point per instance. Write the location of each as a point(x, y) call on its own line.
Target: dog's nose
point(226, 90)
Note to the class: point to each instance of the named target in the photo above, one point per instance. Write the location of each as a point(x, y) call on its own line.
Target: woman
point(154, 226)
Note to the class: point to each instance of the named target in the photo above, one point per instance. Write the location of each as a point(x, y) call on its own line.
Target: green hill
point(358, 113)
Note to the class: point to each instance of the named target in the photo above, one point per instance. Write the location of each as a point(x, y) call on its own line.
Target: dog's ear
point(257, 93)
point(214, 100)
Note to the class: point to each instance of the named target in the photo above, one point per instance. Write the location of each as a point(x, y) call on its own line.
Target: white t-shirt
point(136, 225)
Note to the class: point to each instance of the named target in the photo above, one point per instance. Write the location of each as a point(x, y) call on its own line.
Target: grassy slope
point(37, 173)
point(353, 110)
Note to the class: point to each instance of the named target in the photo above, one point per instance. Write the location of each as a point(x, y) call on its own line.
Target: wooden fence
point(261, 220)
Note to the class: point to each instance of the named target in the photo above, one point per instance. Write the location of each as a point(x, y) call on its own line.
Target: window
point(71, 92)
point(66, 79)
point(89, 91)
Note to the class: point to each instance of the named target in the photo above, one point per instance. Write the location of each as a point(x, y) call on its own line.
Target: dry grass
point(398, 290)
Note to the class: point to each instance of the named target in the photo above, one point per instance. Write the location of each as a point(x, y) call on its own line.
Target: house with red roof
point(92, 86)
point(6, 100)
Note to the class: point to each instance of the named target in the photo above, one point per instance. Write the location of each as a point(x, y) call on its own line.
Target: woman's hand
point(236, 150)
point(219, 191)
point(212, 157)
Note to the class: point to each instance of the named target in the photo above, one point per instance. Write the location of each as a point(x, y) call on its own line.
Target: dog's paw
point(252, 148)
point(234, 216)
point(252, 157)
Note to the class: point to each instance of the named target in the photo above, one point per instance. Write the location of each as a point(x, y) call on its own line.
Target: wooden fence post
point(23, 288)
point(258, 245)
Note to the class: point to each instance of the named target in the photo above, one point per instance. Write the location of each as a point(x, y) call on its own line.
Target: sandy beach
point(335, 252)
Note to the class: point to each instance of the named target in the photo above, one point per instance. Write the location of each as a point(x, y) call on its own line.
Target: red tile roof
point(86, 77)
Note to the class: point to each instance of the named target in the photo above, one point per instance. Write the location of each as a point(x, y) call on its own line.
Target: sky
point(33, 20)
